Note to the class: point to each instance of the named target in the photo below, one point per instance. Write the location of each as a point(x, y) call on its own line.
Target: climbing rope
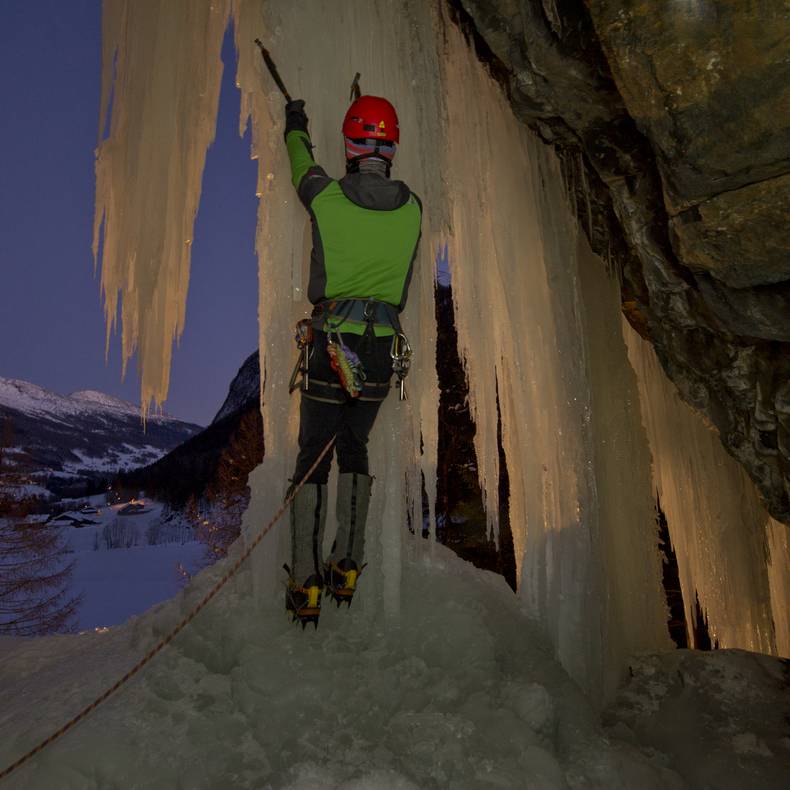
point(86, 711)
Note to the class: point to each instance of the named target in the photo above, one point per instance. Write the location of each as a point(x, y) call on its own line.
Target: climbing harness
point(371, 312)
point(159, 646)
point(327, 317)
point(400, 351)
point(332, 313)
point(304, 339)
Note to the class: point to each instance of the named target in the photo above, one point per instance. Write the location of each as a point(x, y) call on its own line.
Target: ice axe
point(355, 91)
point(267, 59)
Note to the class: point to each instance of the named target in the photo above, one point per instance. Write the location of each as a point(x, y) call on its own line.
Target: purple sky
point(51, 321)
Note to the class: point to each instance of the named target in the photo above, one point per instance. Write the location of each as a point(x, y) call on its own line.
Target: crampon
point(303, 602)
point(341, 580)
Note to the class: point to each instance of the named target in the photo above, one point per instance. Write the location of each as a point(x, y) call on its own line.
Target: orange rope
point(169, 638)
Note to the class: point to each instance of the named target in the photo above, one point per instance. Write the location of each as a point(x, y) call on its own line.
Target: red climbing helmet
point(371, 118)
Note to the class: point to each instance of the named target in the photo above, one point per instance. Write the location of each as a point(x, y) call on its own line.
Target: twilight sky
point(51, 320)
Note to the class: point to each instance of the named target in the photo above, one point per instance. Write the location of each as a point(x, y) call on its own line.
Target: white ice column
point(729, 551)
point(538, 325)
point(319, 46)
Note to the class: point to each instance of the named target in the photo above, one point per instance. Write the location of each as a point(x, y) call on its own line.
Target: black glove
point(295, 116)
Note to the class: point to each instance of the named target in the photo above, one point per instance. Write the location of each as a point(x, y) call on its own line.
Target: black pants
point(327, 410)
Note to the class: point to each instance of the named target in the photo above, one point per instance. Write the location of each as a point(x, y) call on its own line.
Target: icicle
point(585, 187)
point(537, 316)
point(723, 537)
point(779, 583)
point(161, 70)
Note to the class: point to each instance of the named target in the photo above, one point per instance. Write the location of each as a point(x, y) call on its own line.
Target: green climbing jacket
point(366, 229)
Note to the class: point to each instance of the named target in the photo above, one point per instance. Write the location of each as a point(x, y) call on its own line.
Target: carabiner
point(400, 352)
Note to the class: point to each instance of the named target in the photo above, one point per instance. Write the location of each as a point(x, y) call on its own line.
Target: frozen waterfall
point(438, 677)
point(585, 441)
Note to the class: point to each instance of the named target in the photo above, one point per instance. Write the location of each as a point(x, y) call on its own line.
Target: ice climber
point(366, 229)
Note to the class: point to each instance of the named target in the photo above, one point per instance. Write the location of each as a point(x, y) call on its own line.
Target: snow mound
point(721, 715)
point(461, 692)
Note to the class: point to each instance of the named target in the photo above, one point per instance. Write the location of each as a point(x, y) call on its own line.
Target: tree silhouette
point(227, 496)
point(35, 573)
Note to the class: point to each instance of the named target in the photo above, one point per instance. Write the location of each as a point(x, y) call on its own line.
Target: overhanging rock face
point(673, 123)
point(709, 85)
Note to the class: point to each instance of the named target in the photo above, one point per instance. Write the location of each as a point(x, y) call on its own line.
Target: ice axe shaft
point(267, 59)
point(355, 90)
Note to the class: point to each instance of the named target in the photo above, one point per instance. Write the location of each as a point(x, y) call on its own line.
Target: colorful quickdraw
point(346, 364)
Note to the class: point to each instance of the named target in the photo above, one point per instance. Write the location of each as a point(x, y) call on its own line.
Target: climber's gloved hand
point(295, 116)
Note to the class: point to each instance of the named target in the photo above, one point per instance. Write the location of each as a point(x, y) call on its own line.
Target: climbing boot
point(341, 580)
point(308, 519)
point(303, 602)
point(346, 562)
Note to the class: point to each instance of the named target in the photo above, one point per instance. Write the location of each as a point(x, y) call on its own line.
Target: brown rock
point(709, 85)
point(672, 120)
point(762, 312)
point(734, 236)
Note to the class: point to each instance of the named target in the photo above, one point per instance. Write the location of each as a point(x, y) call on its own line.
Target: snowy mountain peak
point(28, 397)
point(32, 399)
point(102, 400)
point(65, 439)
point(15, 389)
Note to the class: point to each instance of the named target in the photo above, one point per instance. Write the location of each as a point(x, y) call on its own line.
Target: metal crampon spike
point(304, 620)
point(339, 598)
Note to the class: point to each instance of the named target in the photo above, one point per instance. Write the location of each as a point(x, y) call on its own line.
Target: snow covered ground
point(721, 717)
point(124, 457)
point(129, 578)
point(461, 692)
point(120, 583)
